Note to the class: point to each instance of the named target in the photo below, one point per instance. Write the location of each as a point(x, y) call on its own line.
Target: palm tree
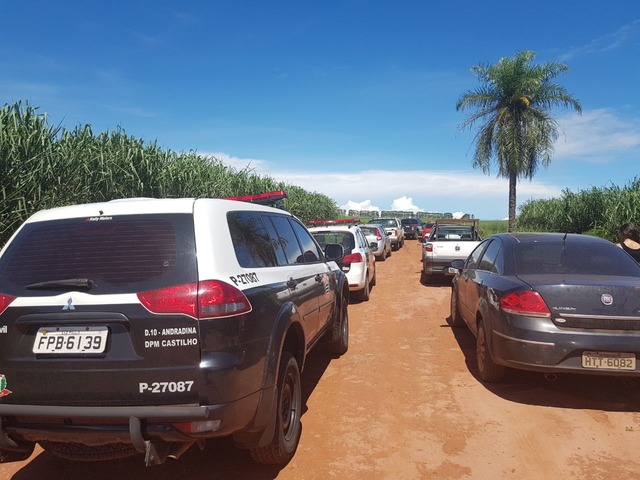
point(514, 101)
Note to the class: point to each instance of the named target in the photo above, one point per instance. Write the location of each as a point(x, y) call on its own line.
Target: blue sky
point(354, 98)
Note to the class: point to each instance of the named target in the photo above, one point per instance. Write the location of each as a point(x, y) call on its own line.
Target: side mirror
point(456, 266)
point(333, 251)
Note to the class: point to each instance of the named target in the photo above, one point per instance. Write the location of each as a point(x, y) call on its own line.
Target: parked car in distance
point(426, 230)
point(551, 303)
point(145, 326)
point(377, 234)
point(412, 227)
point(358, 262)
point(449, 240)
point(394, 229)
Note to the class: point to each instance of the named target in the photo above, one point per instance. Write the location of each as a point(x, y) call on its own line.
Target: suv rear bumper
point(129, 424)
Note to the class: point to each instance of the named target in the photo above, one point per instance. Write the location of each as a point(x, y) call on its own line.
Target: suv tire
point(288, 412)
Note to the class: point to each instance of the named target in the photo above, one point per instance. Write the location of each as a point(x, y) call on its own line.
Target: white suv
point(149, 325)
point(358, 263)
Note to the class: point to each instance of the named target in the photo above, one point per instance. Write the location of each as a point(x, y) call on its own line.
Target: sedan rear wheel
point(454, 317)
point(488, 370)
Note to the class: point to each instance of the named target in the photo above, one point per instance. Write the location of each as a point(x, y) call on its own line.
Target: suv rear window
point(386, 222)
point(119, 254)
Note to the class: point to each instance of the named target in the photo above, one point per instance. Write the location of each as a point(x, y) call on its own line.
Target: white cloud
point(604, 43)
point(596, 135)
point(238, 163)
point(364, 205)
point(404, 204)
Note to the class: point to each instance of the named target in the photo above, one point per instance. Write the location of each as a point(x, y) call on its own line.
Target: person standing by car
point(629, 237)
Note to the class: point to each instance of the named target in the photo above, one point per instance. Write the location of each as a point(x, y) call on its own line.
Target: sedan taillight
point(525, 302)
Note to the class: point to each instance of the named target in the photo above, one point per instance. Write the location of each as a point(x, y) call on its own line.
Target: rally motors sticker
point(3, 386)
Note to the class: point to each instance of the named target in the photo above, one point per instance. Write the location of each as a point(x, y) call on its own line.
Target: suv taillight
point(352, 258)
point(206, 299)
point(5, 301)
point(428, 247)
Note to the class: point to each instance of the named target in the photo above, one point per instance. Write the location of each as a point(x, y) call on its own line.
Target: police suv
point(149, 325)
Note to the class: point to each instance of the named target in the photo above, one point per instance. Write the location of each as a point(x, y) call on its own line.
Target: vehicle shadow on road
point(435, 280)
point(218, 460)
point(607, 393)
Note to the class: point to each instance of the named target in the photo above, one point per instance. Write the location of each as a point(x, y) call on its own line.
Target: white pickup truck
point(449, 240)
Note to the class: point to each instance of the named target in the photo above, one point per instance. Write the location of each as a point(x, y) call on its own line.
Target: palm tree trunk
point(513, 179)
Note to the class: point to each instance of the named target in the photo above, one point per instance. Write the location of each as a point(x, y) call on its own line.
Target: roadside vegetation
point(598, 211)
point(42, 166)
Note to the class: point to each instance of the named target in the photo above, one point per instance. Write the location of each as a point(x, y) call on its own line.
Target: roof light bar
point(346, 221)
point(268, 198)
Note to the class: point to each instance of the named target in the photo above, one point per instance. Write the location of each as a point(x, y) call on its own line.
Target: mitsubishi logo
point(69, 305)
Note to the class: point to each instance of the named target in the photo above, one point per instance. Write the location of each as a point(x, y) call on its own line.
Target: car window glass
point(474, 257)
point(491, 261)
point(287, 238)
point(120, 253)
point(281, 258)
point(387, 222)
point(342, 237)
point(309, 247)
point(251, 240)
point(573, 257)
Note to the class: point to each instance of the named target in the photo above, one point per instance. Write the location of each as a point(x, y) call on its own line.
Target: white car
point(359, 262)
point(377, 234)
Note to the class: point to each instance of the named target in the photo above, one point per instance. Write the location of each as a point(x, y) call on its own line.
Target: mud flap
point(154, 453)
point(11, 451)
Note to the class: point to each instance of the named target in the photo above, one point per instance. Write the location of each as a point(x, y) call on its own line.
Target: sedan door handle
point(292, 284)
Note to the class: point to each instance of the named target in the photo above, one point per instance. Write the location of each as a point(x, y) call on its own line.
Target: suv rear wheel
point(288, 412)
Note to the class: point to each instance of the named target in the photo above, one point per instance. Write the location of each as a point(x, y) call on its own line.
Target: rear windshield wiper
point(65, 283)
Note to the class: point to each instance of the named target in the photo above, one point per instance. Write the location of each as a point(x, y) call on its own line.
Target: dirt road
point(405, 403)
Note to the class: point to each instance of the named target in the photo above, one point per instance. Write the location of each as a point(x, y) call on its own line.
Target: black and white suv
point(148, 325)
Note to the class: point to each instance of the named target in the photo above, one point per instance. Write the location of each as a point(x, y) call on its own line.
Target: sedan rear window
point(573, 258)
